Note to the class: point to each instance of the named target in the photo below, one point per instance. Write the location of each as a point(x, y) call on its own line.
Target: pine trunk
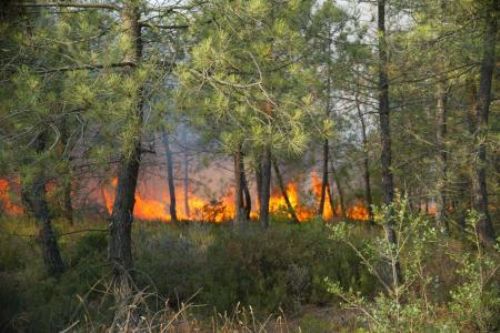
point(239, 185)
point(120, 242)
point(34, 194)
point(366, 165)
point(265, 190)
point(339, 190)
point(185, 182)
point(484, 226)
point(170, 178)
point(324, 179)
point(50, 248)
point(258, 180)
point(385, 137)
point(441, 120)
point(247, 199)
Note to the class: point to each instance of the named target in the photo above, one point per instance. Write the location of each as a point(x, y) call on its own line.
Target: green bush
point(412, 305)
point(282, 267)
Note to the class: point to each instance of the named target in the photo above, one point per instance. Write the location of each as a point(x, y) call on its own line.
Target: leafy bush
point(280, 267)
point(412, 306)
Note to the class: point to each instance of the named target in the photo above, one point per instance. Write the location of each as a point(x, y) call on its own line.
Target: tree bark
point(441, 120)
point(36, 199)
point(339, 190)
point(324, 179)
point(258, 179)
point(186, 184)
point(247, 199)
point(265, 190)
point(484, 226)
point(170, 178)
point(120, 242)
point(325, 187)
point(281, 184)
point(366, 165)
point(238, 180)
point(385, 137)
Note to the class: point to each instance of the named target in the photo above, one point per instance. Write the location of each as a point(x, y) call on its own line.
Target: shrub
point(412, 306)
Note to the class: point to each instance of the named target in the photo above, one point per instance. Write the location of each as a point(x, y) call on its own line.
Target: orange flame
point(358, 212)
point(156, 210)
point(6, 203)
point(224, 209)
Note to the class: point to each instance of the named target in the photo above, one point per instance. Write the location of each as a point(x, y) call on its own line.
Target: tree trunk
point(247, 199)
point(289, 206)
point(36, 199)
point(464, 202)
point(484, 227)
point(265, 190)
point(441, 119)
point(50, 248)
point(366, 165)
point(339, 190)
point(258, 179)
point(239, 185)
point(186, 184)
point(170, 178)
point(324, 179)
point(385, 137)
point(325, 184)
point(120, 242)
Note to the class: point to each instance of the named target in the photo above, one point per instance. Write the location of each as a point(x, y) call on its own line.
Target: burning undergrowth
point(196, 201)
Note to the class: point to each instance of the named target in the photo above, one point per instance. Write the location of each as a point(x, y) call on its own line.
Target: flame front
point(152, 206)
point(223, 209)
point(200, 209)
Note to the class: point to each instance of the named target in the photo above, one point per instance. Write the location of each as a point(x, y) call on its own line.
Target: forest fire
point(156, 209)
point(223, 209)
point(153, 206)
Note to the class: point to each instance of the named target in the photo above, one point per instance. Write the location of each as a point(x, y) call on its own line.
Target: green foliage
point(413, 305)
point(243, 74)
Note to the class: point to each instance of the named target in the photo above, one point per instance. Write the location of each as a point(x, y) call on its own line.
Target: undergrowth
point(219, 278)
point(222, 269)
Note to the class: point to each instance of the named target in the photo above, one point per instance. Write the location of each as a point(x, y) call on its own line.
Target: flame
point(153, 206)
point(358, 212)
point(6, 203)
point(277, 203)
point(157, 210)
point(223, 209)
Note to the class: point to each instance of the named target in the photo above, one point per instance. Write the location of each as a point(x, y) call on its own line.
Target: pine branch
point(68, 5)
point(85, 67)
point(165, 27)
